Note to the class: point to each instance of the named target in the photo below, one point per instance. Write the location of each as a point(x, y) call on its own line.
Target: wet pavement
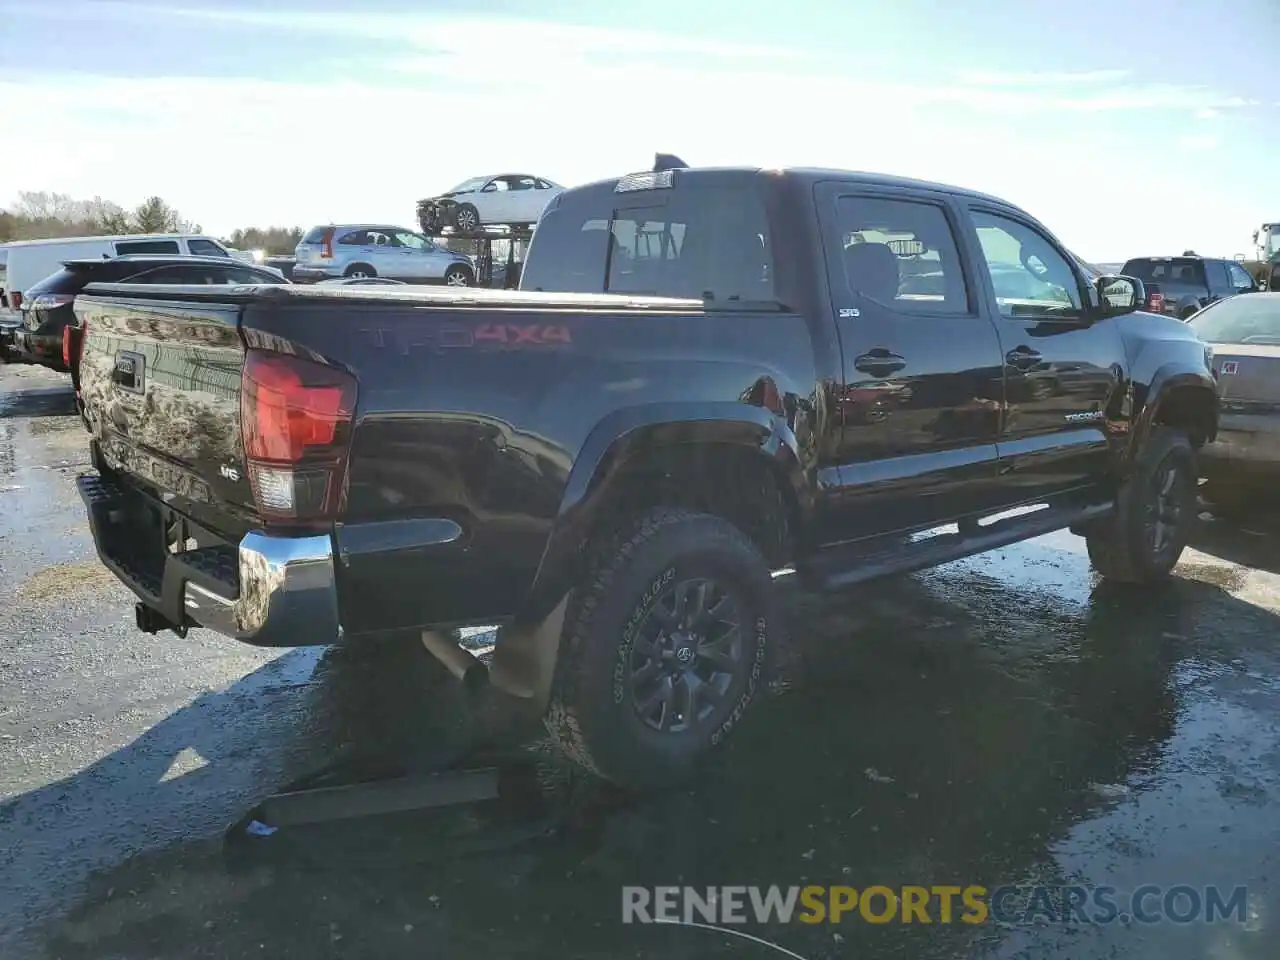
point(1002, 720)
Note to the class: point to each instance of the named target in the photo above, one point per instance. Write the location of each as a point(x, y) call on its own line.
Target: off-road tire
point(1120, 547)
point(591, 716)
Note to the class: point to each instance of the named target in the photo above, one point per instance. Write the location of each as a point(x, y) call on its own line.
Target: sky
point(1132, 128)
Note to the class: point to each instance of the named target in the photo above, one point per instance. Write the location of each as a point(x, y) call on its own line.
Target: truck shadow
point(936, 729)
point(1250, 541)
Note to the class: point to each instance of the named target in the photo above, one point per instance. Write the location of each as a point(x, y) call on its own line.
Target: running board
point(857, 563)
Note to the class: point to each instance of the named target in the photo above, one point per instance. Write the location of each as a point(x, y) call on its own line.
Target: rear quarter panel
point(480, 416)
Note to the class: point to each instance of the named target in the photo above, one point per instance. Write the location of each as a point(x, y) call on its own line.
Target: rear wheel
point(1156, 507)
point(663, 650)
point(360, 271)
point(458, 276)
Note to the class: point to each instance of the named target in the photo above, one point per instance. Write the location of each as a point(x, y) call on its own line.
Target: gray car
point(1244, 335)
point(378, 250)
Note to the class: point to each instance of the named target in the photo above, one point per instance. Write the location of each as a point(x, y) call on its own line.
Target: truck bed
point(471, 408)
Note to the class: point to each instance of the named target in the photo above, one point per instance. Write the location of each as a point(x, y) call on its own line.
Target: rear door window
point(124, 247)
point(706, 242)
point(901, 253)
point(185, 275)
point(243, 275)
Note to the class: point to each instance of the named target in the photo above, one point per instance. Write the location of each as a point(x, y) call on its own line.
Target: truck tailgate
point(160, 379)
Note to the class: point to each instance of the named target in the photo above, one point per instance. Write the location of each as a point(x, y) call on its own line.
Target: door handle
point(879, 362)
point(1023, 358)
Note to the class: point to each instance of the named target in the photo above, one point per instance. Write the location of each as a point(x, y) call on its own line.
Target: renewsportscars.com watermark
point(730, 906)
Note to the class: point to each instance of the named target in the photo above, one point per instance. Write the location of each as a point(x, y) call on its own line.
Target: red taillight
point(295, 418)
point(326, 245)
point(1155, 303)
point(73, 343)
point(15, 300)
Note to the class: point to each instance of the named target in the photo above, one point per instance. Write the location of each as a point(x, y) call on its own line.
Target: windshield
point(1248, 318)
point(469, 186)
point(1271, 242)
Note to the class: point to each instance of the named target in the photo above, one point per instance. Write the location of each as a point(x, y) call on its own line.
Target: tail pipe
point(472, 672)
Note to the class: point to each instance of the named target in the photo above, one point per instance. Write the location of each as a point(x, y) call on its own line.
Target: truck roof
point(818, 174)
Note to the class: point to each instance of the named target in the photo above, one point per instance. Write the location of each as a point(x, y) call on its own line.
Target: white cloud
point(368, 143)
point(488, 36)
point(989, 78)
point(1199, 142)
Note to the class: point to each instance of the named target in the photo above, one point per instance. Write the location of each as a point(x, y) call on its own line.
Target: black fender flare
point(630, 432)
point(1168, 378)
point(527, 648)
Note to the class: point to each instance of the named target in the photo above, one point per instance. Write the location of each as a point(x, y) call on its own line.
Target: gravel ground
point(1002, 720)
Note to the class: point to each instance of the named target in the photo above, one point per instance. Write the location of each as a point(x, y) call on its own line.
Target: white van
point(24, 263)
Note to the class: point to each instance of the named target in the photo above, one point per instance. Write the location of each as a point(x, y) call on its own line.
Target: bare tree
point(39, 214)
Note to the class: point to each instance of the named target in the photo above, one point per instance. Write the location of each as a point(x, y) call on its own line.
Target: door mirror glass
point(1120, 294)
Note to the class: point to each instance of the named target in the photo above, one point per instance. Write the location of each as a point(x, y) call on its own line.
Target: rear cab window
point(696, 237)
point(1157, 270)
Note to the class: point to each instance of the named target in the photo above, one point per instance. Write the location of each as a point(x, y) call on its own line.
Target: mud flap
point(524, 658)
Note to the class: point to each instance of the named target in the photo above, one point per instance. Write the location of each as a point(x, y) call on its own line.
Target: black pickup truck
point(707, 377)
point(1180, 286)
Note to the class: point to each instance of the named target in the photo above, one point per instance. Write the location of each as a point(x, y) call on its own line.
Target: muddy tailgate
point(160, 381)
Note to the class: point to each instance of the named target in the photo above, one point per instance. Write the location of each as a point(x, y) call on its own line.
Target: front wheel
point(664, 649)
point(457, 276)
point(1155, 509)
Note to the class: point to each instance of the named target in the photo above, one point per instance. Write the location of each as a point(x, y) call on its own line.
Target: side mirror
point(1119, 295)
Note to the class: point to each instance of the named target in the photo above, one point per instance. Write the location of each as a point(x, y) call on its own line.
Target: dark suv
point(1180, 286)
point(44, 334)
